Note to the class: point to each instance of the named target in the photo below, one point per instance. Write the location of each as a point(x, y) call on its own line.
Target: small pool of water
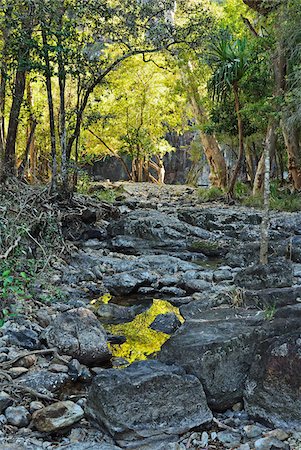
point(141, 340)
point(212, 263)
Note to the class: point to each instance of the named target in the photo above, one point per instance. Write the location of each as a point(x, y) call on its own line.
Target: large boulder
point(79, 334)
point(147, 402)
point(128, 282)
point(217, 346)
point(273, 388)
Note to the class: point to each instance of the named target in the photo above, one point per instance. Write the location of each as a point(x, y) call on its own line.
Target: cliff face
point(177, 164)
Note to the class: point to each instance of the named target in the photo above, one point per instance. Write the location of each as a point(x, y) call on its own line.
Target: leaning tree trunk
point(213, 153)
point(241, 142)
point(215, 159)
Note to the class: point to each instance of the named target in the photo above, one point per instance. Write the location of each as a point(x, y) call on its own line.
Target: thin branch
point(113, 152)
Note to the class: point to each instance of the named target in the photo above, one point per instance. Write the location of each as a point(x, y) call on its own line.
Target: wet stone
point(229, 438)
point(270, 443)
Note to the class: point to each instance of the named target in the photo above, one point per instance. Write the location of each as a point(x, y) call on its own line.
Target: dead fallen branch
point(11, 248)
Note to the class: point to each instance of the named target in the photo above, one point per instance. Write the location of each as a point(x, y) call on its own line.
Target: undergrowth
point(210, 194)
point(281, 199)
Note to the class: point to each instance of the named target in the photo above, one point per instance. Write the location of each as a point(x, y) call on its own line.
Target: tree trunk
point(279, 72)
point(51, 111)
point(268, 146)
point(292, 141)
point(6, 30)
point(215, 159)
point(260, 172)
point(22, 167)
point(241, 142)
point(213, 153)
point(250, 160)
point(62, 77)
point(10, 147)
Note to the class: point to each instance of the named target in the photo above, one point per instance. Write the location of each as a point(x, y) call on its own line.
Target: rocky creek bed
point(227, 372)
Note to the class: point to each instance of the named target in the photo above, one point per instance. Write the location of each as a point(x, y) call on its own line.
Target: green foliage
point(242, 189)
point(230, 61)
point(255, 201)
point(269, 312)
point(107, 195)
point(135, 110)
point(14, 290)
point(210, 194)
point(281, 199)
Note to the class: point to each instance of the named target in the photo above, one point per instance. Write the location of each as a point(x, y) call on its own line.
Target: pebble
point(35, 406)
point(58, 368)
point(278, 434)
point(204, 439)
point(17, 416)
point(16, 372)
point(270, 443)
point(3, 420)
point(253, 431)
point(3, 357)
point(57, 416)
point(237, 407)
point(229, 438)
point(213, 435)
point(27, 361)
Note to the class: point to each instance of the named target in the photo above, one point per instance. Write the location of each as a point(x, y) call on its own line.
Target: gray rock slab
point(147, 401)
point(277, 274)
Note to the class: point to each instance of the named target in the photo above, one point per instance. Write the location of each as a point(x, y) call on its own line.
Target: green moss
point(204, 246)
point(142, 341)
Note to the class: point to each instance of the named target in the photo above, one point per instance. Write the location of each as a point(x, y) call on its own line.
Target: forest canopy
point(83, 79)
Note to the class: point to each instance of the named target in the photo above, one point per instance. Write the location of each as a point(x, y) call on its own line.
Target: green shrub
point(210, 194)
point(107, 195)
point(255, 201)
point(241, 189)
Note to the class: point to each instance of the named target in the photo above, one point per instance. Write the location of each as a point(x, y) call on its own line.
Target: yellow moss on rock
point(142, 341)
